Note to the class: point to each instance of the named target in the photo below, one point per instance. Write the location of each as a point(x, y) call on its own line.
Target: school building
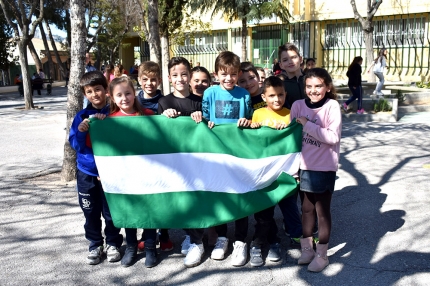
point(324, 30)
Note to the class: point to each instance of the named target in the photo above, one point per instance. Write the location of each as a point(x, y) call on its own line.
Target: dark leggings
point(320, 203)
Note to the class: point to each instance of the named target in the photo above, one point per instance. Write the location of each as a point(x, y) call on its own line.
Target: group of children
point(243, 98)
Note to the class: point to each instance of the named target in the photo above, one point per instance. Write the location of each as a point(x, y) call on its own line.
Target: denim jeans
point(292, 219)
point(357, 93)
point(380, 84)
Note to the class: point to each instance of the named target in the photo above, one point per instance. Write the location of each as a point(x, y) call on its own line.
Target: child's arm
point(255, 125)
point(243, 122)
point(281, 125)
point(197, 116)
point(205, 109)
point(171, 113)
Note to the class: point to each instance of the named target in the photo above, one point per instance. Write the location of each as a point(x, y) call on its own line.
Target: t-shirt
point(257, 102)
point(185, 105)
point(380, 64)
point(226, 106)
point(150, 103)
point(267, 117)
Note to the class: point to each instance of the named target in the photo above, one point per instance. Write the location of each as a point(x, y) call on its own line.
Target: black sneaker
point(256, 259)
point(151, 254)
point(95, 256)
point(130, 255)
point(274, 252)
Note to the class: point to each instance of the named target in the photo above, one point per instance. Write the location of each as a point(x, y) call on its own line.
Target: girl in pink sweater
point(322, 124)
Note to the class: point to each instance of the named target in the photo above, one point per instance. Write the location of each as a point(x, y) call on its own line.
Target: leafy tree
point(367, 27)
point(77, 69)
point(19, 15)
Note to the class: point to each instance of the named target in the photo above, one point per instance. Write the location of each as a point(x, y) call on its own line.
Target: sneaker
point(220, 248)
point(380, 95)
point(141, 245)
point(360, 111)
point(295, 241)
point(194, 255)
point(240, 253)
point(112, 253)
point(274, 252)
point(185, 245)
point(166, 246)
point(256, 260)
point(130, 255)
point(374, 92)
point(95, 256)
point(345, 107)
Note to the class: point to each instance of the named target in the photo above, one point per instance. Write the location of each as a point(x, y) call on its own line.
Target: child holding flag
point(322, 124)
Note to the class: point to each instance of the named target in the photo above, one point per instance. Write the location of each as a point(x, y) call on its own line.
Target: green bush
point(382, 105)
point(423, 84)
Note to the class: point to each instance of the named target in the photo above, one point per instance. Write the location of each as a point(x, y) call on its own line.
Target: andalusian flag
point(160, 172)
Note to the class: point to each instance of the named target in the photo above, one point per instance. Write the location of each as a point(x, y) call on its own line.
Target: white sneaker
point(240, 253)
point(220, 249)
point(374, 92)
point(185, 245)
point(194, 255)
point(112, 253)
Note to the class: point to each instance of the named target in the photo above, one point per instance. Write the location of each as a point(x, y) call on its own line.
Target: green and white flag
point(160, 172)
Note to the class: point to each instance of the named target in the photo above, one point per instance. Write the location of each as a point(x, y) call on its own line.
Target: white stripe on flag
point(151, 174)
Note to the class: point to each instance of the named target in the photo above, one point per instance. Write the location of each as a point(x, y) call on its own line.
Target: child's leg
point(308, 213)
point(241, 229)
point(164, 235)
point(165, 242)
point(91, 204)
point(360, 97)
point(131, 236)
point(221, 230)
point(292, 219)
point(113, 236)
point(262, 227)
point(322, 204)
point(196, 235)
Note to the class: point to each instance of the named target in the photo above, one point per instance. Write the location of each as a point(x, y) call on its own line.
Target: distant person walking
point(354, 84)
point(378, 69)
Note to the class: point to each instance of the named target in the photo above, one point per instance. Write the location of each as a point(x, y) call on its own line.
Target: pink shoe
point(360, 111)
point(345, 107)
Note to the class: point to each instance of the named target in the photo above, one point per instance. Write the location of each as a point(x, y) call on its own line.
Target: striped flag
point(160, 172)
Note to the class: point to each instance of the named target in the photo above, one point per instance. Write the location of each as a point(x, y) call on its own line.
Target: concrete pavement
point(379, 209)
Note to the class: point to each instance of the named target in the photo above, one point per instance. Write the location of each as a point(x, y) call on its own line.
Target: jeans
point(292, 219)
point(93, 203)
point(130, 235)
point(357, 93)
point(380, 84)
point(265, 228)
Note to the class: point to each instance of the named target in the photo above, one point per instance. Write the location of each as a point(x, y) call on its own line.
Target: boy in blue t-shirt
point(224, 103)
point(90, 192)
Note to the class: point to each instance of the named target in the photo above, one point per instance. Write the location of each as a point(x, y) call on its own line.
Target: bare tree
point(19, 15)
point(77, 69)
point(48, 51)
point(34, 55)
point(367, 26)
point(54, 47)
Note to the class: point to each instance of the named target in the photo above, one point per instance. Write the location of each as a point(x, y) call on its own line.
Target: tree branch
point(357, 15)
point(374, 8)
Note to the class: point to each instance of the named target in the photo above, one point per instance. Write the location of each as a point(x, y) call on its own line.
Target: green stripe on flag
point(161, 135)
point(198, 209)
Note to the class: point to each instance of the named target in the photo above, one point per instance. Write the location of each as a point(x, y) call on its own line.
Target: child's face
point(228, 78)
point(123, 96)
point(290, 61)
point(262, 75)
point(249, 81)
point(199, 83)
point(316, 89)
point(310, 65)
point(274, 97)
point(149, 84)
point(96, 95)
point(180, 78)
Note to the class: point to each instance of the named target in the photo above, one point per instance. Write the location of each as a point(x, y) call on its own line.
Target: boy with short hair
point(261, 74)
point(149, 77)
point(90, 192)
point(224, 103)
point(249, 79)
point(289, 61)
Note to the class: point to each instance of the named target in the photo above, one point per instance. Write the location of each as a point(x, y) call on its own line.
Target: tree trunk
point(165, 57)
point(35, 56)
point(23, 61)
point(74, 95)
point(54, 47)
point(51, 73)
point(154, 32)
point(244, 38)
point(370, 57)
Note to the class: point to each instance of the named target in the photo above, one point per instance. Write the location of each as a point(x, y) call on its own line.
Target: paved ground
point(381, 221)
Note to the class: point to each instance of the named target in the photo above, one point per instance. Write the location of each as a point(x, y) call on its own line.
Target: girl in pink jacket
point(322, 124)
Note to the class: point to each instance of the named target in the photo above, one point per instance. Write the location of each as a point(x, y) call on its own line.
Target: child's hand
point(100, 116)
point(84, 125)
point(243, 122)
point(281, 125)
point(197, 116)
point(171, 113)
point(302, 120)
point(211, 124)
point(255, 125)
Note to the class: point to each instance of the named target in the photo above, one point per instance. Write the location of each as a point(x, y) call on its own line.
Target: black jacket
point(354, 75)
point(295, 89)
